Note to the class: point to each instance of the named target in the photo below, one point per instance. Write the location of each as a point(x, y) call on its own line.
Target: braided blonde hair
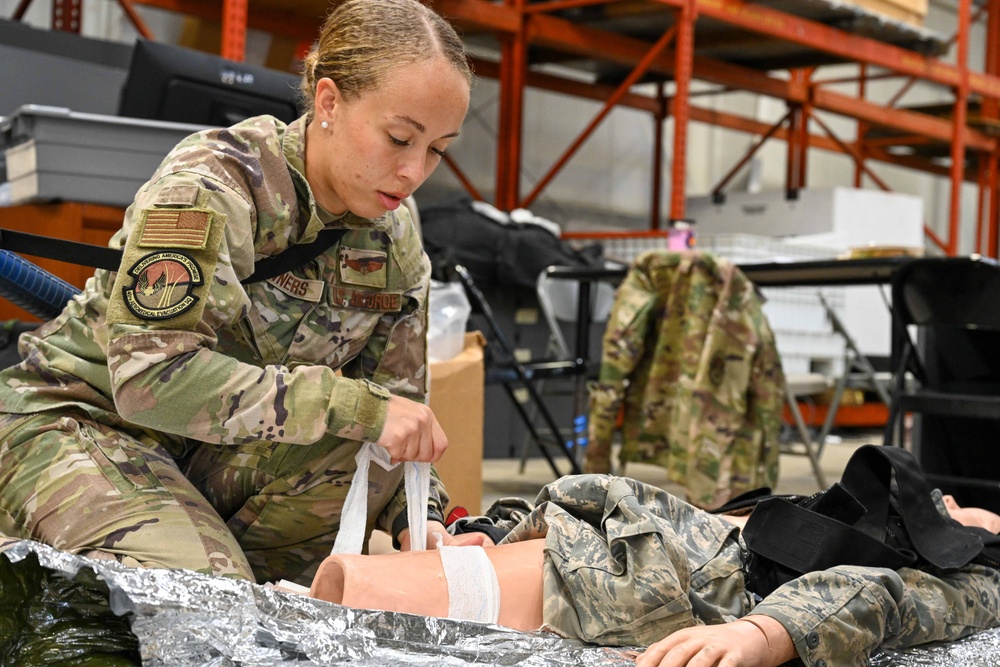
point(361, 40)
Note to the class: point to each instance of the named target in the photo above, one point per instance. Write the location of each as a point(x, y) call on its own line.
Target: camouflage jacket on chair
point(690, 354)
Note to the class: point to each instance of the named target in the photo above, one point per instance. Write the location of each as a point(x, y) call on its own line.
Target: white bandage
point(354, 516)
point(473, 589)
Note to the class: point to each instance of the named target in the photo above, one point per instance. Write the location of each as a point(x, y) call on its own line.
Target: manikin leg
point(416, 582)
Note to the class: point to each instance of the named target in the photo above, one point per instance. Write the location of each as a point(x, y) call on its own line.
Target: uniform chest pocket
point(280, 307)
point(331, 336)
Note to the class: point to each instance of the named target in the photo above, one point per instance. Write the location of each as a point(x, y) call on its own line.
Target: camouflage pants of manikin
point(263, 512)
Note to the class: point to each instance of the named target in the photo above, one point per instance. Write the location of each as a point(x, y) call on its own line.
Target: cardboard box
point(913, 12)
point(456, 397)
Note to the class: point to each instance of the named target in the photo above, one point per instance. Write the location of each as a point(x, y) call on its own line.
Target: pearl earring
point(324, 125)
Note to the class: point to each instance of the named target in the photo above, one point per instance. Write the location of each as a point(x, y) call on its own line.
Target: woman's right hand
point(412, 432)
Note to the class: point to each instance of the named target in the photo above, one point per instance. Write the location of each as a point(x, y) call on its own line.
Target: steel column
point(862, 127)
point(683, 71)
point(993, 208)
point(234, 29)
point(659, 118)
point(991, 109)
point(795, 162)
point(66, 15)
point(791, 148)
point(959, 117)
point(805, 113)
point(981, 167)
point(513, 71)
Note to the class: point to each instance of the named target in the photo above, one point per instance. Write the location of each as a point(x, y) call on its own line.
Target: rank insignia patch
point(162, 283)
point(363, 267)
point(174, 228)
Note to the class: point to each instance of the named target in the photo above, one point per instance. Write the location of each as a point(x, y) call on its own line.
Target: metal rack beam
point(803, 95)
point(524, 29)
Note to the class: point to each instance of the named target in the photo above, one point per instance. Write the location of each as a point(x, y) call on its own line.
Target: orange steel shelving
point(684, 41)
point(971, 152)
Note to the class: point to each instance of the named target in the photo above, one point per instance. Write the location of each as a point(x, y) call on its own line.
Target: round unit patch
point(161, 285)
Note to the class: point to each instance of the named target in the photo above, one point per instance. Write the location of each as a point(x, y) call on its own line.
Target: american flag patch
point(174, 228)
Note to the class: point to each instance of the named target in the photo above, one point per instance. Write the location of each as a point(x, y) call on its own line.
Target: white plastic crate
point(804, 335)
point(625, 250)
point(807, 363)
point(753, 248)
point(817, 344)
point(623, 247)
point(800, 308)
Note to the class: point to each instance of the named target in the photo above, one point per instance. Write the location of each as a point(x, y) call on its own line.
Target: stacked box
point(54, 154)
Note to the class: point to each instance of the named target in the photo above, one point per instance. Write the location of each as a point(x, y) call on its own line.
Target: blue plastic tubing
point(32, 287)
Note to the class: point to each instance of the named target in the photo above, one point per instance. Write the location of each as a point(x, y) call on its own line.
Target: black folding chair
point(503, 368)
point(949, 375)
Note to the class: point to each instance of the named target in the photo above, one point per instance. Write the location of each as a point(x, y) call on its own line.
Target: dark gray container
point(54, 154)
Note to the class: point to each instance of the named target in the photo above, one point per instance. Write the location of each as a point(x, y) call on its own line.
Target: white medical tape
point(473, 589)
point(417, 484)
point(354, 516)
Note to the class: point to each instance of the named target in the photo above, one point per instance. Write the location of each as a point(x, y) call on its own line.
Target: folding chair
point(504, 368)
point(799, 386)
point(949, 375)
point(858, 372)
point(559, 300)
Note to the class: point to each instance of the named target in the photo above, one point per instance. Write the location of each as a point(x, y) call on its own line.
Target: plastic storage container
point(448, 313)
point(53, 153)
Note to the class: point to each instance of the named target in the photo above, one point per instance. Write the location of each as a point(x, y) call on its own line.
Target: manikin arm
point(737, 644)
point(752, 641)
point(972, 516)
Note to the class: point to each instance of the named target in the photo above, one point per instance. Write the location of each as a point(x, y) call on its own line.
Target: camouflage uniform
point(628, 564)
point(690, 353)
point(171, 366)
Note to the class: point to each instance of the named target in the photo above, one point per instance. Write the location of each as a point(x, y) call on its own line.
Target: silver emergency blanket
point(184, 619)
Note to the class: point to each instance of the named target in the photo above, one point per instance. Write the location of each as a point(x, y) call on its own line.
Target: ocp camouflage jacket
point(689, 353)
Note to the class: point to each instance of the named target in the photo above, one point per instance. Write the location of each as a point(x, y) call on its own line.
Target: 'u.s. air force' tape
point(354, 517)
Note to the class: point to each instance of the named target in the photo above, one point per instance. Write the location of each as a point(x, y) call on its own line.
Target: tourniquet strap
point(806, 541)
point(868, 476)
point(850, 523)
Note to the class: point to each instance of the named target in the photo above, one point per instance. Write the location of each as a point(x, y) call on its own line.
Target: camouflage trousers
point(264, 512)
point(627, 563)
